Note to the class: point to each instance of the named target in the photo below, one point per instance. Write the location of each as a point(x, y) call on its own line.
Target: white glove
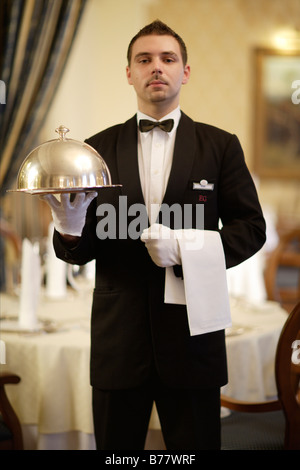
point(69, 217)
point(162, 245)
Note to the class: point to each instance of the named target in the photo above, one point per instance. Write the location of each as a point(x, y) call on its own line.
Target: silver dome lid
point(63, 165)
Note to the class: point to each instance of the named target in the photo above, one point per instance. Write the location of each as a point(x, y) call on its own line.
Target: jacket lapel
point(183, 159)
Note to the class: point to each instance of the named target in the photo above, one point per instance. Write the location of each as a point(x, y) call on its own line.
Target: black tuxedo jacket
point(132, 329)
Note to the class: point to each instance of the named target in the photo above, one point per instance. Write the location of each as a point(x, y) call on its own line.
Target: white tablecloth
point(53, 399)
point(251, 347)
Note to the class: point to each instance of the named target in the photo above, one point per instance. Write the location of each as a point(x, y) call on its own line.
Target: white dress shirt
point(155, 156)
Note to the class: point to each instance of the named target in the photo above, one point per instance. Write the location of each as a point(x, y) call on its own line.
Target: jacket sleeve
point(243, 229)
point(84, 251)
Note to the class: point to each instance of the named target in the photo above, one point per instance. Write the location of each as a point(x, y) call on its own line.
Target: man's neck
point(156, 110)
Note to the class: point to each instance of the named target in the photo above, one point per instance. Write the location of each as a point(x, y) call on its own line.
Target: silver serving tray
point(43, 191)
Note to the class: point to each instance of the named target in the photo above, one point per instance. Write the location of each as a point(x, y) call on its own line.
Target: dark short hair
point(158, 28)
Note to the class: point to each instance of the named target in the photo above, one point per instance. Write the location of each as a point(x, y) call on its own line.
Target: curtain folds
point(36, 38)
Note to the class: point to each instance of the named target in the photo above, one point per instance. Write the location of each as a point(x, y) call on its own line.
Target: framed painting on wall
point(277, 113)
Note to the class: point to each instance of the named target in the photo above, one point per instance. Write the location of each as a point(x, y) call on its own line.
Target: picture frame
point(277, 113)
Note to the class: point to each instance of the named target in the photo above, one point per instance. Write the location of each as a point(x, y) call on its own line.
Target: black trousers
point(190, 419)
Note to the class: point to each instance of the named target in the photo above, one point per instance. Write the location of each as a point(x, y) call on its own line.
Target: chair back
point(287, 372)
point(10, 254)
point(11, 437)
point(282, 271)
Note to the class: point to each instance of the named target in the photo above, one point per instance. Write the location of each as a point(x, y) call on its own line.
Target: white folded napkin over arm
point(204, 285)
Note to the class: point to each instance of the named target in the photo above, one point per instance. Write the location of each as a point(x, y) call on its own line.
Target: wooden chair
point(284, 262)
point(272, 424)
point(10, 252)
point(287, 372)
point(10, 428)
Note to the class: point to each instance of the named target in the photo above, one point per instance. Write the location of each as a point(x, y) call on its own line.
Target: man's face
point(156, 71)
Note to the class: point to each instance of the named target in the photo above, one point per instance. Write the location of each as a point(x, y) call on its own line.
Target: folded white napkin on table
point(203, 288)
point(56, 270)
point(30, 285)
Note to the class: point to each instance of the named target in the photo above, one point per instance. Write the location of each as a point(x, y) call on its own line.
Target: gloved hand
point(162, 245)
point(69, 217)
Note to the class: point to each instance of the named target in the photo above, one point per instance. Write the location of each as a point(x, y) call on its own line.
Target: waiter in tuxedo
point(142, 346)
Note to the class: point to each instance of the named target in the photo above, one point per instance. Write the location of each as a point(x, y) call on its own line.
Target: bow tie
point(146, 126)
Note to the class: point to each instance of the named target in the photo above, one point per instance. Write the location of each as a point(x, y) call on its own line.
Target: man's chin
point(158, 96)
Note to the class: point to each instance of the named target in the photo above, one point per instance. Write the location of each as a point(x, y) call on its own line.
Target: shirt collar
point(175, 114)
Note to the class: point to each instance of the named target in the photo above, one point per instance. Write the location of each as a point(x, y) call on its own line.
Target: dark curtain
point(35, 39)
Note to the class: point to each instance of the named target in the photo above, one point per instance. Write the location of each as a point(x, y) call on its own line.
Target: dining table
point(53, 399)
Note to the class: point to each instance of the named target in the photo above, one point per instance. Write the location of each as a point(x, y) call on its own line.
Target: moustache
point(156, 78)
